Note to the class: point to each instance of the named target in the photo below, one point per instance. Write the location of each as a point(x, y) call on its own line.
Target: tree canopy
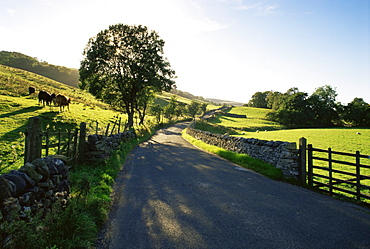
point(124, 66)
point(321, 109)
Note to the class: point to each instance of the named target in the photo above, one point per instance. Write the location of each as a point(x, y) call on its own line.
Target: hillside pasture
point(15, 82)
point(16, 111)
point(255, 119)
point(164, 98)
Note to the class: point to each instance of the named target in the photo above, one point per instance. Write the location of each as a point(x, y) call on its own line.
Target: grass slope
point(255, 119)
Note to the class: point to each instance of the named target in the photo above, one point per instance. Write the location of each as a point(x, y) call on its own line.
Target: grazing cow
point(31, 90)
point(62, 101)
point(45, 98)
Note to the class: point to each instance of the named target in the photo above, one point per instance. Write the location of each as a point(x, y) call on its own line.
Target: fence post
point(59, 139)
point(106, 132)
point(330, 171)
point(358, 177)
point(310, 165)
point(119, 125)
point(82, 143)
point(33, 140)
point(302, 160)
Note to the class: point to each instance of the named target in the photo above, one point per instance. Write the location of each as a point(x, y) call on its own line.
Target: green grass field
point(347, 140)
point(255, 119)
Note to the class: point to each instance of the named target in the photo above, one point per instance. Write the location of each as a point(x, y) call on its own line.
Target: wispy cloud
point(258, 7)
point(268, 10)
point(11, 11)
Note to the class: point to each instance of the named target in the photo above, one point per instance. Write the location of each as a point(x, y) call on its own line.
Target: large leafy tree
point(124, 66)
point(294, 111)
point(259, 99)
point(324, 106)
point(357, 113)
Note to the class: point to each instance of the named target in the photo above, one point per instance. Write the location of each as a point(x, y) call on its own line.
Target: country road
point(173, 195)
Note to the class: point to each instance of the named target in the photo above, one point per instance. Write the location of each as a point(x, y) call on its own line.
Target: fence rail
point(330, 176)
point(68, 148)
point(39, 143)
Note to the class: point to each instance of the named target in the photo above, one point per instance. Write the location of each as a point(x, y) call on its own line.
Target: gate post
point(310, 165)
point(82, 143)
point(33, 140)
point(302, 160)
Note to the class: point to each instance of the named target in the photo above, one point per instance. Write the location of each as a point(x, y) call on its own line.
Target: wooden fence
point(71, 143)
point(334, 176)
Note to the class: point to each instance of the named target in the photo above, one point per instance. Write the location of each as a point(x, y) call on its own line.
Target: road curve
point(173, 195)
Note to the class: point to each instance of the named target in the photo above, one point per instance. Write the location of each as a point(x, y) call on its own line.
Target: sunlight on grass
point(255, 119)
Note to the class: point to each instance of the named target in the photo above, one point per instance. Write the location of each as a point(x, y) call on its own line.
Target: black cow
point(31, 90)
point(45, 97)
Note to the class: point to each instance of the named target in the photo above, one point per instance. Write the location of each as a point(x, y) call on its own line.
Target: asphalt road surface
point(172, 195)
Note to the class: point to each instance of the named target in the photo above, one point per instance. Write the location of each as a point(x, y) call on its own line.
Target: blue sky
point(226, 49)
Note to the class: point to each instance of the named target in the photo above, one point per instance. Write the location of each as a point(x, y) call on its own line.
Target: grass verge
point(243, 160)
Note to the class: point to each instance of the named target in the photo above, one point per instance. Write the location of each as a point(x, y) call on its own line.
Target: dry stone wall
point(99, 147)
point(282, 155)
point(34, 188)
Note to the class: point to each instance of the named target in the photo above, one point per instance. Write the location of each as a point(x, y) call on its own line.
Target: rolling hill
point(17, 106)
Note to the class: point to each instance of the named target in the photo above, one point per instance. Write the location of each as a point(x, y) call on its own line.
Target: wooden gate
point(334, 173)
point(38, 143)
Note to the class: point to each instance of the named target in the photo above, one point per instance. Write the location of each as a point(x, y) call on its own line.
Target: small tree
point(157, 111)
point(193, 108)
point(203, 108)
point(180, 110)
point(169, 109)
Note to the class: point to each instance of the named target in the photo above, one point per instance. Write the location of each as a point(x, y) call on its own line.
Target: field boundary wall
point(282, 155)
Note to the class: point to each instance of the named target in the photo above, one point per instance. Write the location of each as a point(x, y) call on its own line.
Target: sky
point(224, 49)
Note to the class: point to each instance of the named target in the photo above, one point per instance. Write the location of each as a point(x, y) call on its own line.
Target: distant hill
point(227, 102)
point(187, 95)
point(61, 74)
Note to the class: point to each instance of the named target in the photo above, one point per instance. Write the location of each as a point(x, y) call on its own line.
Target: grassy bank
point(243, 160)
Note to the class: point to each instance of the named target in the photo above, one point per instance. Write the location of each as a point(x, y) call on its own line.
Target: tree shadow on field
point(12, 141)
point(21, 111)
